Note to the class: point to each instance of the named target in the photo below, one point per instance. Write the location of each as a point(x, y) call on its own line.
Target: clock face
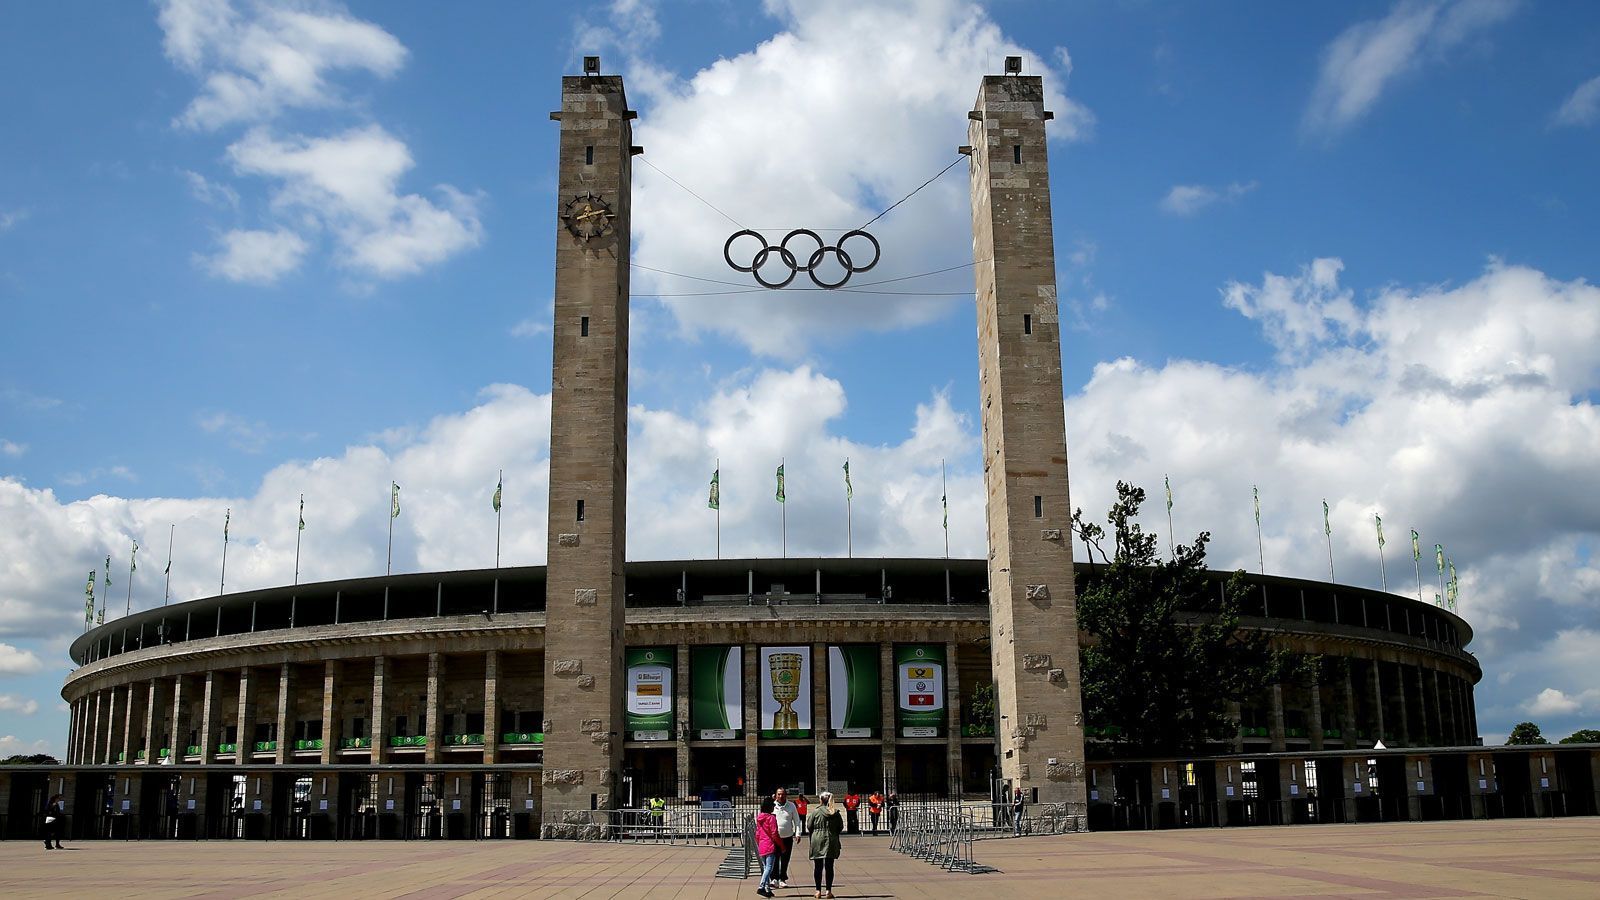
point(587, 216)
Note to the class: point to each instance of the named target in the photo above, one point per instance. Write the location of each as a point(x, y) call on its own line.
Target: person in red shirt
point(800, 807)
point(874, 809)
point(851, 801)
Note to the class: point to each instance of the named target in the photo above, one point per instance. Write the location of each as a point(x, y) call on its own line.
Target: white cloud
point(242, 433)
point(843, 111)
point(1581, 108)
point(258, 257)
point(533, 326)
point(210, 192)
point(1188, 199)
point(78, 479)
point(1553, 702)
point(1300, 310)
point(350, 183)
point(1366, 58)
point(10, 218)
point(25, 707)
point(273, 57)
point(12, 448)
point(11, 745)
point(15, 661)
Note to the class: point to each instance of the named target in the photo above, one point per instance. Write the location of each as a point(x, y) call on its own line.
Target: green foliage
point(1526, 733)
point(36, 759)
point(978, 712)
point(1583, 736)
point(1168, 655)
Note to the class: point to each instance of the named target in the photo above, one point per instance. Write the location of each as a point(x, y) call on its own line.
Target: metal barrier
point(941, 836)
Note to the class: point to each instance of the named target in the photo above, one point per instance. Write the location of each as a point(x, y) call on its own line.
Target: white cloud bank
point(1368, 57)
point(1582, 106)
point(258, 63)
point(1189, 199)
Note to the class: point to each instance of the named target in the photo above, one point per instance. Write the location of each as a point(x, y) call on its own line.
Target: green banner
point(649, 692)
point(716, 693)
point(785, 676)
point(920, 705)
point(855, 709)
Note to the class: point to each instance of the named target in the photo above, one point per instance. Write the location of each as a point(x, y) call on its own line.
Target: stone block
point(585, 597)
point(586, 682)
point(567, 668)
point(566, 540)
point(1057, 676)
point(1037, 592)
point(591, 726)
point(1051, 534)
point(1035, 662)
point(563, 776)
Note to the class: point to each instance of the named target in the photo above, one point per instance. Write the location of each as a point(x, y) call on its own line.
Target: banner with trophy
point(649, 692)
point(785, 675)
point(920, 709)
point(854, 707)
point(716, 693)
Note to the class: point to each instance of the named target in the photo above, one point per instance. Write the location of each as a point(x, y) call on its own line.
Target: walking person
point(768, 846)
point(894, 811)
point(54, 811)
point(826, 824)
point(1016, 812)
point(783, 809)
point(800, 807)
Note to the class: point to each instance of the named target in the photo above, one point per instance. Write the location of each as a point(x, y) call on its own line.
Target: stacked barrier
point(939, 835)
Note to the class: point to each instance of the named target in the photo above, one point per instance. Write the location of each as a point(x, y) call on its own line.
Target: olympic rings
point(813, 260)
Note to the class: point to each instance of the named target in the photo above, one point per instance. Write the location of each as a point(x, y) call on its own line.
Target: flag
point(394, 500)
point(1169, 492)
point(944, 500)
point(1327, 529)
point(1453, 585)
point(714, 499)
point(226, 518)
point(1438, 557)
point(848, 490)
point(780, 483)
point(108, 573)
point(88, 599)
point(1256, 492)
point(1379, 520)
point(1416, 548)
point(302, 513)
point(168, 569)
point(499, 487)
point(133, 559)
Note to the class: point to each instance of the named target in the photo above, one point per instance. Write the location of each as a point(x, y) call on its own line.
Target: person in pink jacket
point(768, 846)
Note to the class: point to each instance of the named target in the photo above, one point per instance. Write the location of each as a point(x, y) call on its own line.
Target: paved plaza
point(1522, 858)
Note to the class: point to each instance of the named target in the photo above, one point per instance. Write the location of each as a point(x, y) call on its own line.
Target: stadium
point(544, 701)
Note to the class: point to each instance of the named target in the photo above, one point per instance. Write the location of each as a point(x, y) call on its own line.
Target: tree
point(977, 714)
point(1583, 736)
point(1167, 655)
point(1526, 733)
point(35, 759)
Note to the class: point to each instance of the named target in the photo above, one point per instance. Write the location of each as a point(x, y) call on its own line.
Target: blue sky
point(254, 250)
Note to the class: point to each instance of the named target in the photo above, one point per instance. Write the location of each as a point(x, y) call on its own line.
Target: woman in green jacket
point(825, 822)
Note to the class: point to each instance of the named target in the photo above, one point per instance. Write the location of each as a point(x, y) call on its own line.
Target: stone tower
point(1033, 615)
point(588, 452)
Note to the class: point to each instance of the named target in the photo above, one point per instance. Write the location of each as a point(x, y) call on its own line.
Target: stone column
point(1275, 724)
point(1480, 781)
point(72, 733)
point(1236, 716)
point(247, 718)
point(286, 715)
point(113, 731)
point(1315, 729)
point(1400, 697)
point(752, 720)
point(952, 684)
point(1033, 619)
point(179, 738)
point(1352, 770)
point(132, 723)
point(379, 728)
point(209, 720)
point(435, 728)
point(1375, 678)
point(1351, 726)
point(491, 706)
point(821, 715)
point(887, 703)
point(1419, 783)
point(97, 731)
point(1221, 782)
point(152, 753)
point(1441, 712)
point(330, 712)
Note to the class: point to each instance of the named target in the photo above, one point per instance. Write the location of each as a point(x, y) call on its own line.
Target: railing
point(522, 737)
point(227, 748)
point(265, 746)
point(362, 743)
point(940, 836)
point(463, 740)
point(420, 740)
point(311, 744)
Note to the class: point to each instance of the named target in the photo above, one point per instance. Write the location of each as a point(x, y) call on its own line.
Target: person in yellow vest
point(658, 810)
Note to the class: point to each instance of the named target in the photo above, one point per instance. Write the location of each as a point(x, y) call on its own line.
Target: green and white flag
point(133, 559)
point(1327, 528)
point(88, 599)
point(1169, 491)
point(1379, 520)
point(1438, 557)
point(108, 574)
point(498, 487)
point(394, 500)
point(302, 514)
point(1256, 493)
point(714, 499)
point(1416, 547)
point(780, 483)
point(944, 501)
point(849, 491)
point(1453, 585)
point(227, 517)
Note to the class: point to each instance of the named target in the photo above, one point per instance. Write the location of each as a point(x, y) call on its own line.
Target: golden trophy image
point(785, 669)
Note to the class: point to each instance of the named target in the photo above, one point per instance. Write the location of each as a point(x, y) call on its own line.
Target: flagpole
point(168, 596)
point(1172, 544)
point(1261, 549)
point(718, 474)
point(783, 514)
point(132, 567)
point(222, 585)
point(498, 486)
point(849, 519)
point(1383, 573)
point(299, 526)
point(1416, 562)
point(944, 496)
point(388, 563)
point(1327, 529)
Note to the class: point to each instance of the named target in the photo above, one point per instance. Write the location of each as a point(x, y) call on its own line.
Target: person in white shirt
point(788, 825)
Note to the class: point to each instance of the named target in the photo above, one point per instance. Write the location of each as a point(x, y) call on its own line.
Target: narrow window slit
point(583, 327)
point(588, 155)
point(1027, 323)
point(580, 510)
point(1038, 506)
point(1016, 153)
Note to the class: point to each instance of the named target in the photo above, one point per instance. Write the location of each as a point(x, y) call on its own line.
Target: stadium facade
point(521, 701)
